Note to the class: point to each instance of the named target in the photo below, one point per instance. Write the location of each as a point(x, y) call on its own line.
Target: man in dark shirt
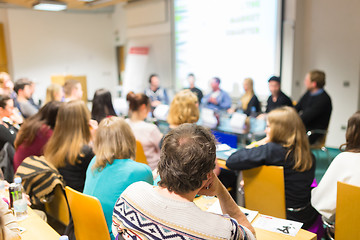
point(277, 98)
point(198, 92)
point(315, 106)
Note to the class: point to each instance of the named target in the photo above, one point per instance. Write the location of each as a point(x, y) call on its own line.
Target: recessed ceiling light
point(50, 6)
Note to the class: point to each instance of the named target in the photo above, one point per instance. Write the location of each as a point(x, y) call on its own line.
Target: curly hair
point(187, 156)
point(184, 108)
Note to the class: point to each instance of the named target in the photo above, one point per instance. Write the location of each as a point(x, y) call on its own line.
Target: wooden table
point(261, 234)
point(36, 228)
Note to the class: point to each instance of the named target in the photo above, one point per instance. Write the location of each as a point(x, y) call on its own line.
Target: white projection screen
point(229, 39)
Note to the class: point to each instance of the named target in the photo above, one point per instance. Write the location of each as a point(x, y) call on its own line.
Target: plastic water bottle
point(20, 204)
point(64, 237)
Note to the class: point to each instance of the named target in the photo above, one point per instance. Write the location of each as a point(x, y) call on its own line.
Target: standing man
point(218, 99)
point(156, 93)
point(315, 105)
point(23, 90)
point(191, 79)
point(277, 97)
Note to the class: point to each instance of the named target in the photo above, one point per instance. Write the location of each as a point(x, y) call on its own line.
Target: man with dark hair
point(156, 93)
point(167, 211)
point(218, 99)
point(315, 105)
point(277, 97)
point(191, 79)
point(23, 90)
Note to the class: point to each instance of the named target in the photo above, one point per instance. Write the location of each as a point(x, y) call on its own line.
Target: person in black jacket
point(286, 145)
point(277, 97)
point(315, 105)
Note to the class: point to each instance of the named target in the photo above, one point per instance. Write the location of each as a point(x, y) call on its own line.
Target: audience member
point(315, 105)
point(23, 90)
point(113, 168)
point(9, 228)
point(147, 133)
point(218, 99)
point(54, 92)
point(248, 102)
point(191, 79)
point(186, 169)
point(184, 108)
point(6, 85)
point(72, 90)
point(286, 145)
point(68, 148)
point(277, 97)
point(7, 131)
point(102, 106)
point(156, 94)
point(344, 168)
point(31, 99)
point(35, 133)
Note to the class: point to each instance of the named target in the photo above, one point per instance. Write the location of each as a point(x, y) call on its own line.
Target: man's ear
point(208, 176)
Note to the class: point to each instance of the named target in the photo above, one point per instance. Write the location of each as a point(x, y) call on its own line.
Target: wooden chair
point(58, 207)
point(88, 216)
point(265, 190)
point(140, 155)
point(347, 212)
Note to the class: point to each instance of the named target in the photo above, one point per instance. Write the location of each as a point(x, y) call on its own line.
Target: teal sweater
point(108, 184)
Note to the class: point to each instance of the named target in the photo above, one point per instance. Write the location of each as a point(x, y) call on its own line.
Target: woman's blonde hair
point(51, 91)
point(245, 99)
point(287, 129)
point(184, 108)
point(114, 140)
point(71, 133)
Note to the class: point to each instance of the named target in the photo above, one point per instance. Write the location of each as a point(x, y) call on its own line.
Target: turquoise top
point(108, 184)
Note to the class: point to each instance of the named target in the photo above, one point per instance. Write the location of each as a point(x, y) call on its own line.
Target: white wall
point(47, 43)
point(327, 37)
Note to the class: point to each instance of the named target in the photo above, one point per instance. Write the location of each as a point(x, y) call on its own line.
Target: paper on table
point(228, 153)
point(222, 147)
point(250, 215)
point(277, 225)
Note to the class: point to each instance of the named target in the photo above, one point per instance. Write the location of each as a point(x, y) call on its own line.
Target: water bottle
point(19, 202)
point(64, 237)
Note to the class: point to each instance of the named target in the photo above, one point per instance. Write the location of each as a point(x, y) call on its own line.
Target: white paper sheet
point(277, 225)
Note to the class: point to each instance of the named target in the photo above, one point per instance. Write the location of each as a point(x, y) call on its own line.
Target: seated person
point(218, 99)
point(186, 169)
point(24, 91)
point(344, 168)
point(248, 102)
point(54, 92)
point(277, 97)
point(72, 90)
point(35, 133)
point(102, 106)
point(191, 79)
point(69, 148)
point(148, 134)
point(7, 131)
point(286, 145)
point(315, 106)
point(113, 168)
point(157, 94)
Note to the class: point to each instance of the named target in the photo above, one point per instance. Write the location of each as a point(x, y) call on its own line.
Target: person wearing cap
point(218, 99)
point(277, 97)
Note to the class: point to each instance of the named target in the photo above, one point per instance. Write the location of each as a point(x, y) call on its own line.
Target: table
point(36, 228)
point(204, 203)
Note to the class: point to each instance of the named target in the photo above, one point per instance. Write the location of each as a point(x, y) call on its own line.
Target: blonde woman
point(248, 101)
point(68, 148)
point(54, 92)
point(147, 133)
point(112, 170)
point(286, 145)
point(184, 108)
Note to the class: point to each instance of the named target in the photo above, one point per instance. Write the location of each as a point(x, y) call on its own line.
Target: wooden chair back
point(347, 212)
point(265, 190)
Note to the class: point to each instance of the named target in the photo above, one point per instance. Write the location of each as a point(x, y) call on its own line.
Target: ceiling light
point(49, 6)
